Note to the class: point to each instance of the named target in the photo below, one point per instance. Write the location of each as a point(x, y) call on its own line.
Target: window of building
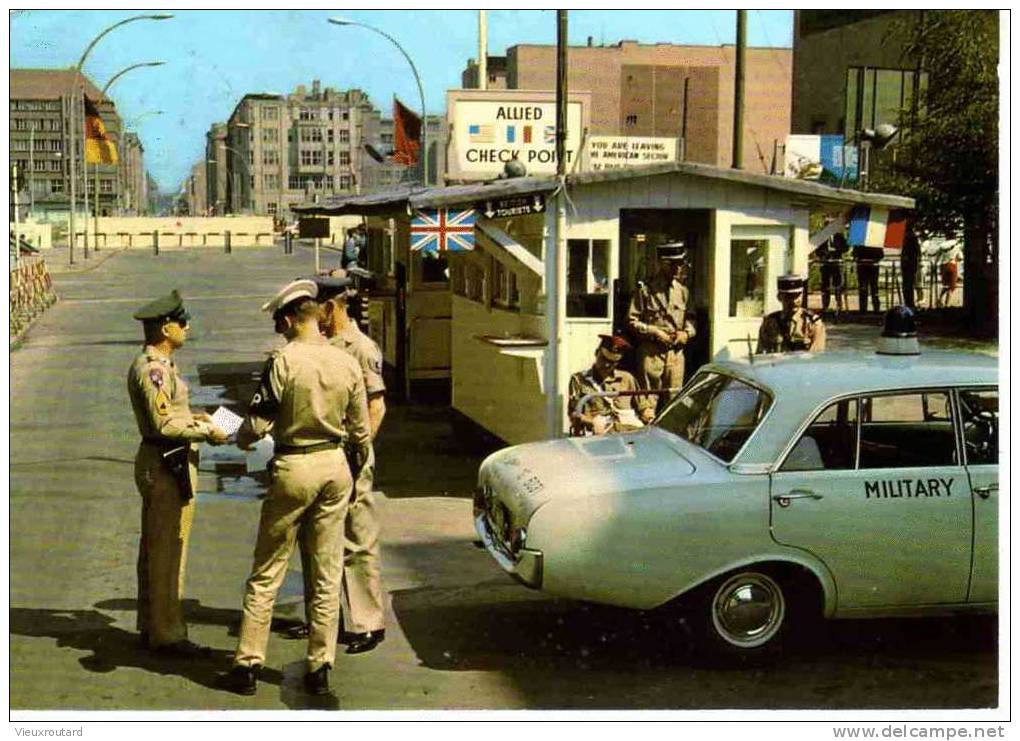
point(747, 277)
point(343, 182)
point(632, 119)
point(270, 157)
point(271, 208)
point(105, 186)
point(504, 287)
point(345, 135)
point(329, 158)
point(306, 114)
point(251, 157)
point(19, 145)
point(876, 96)
point(311, 157)
point(55, 166)
point(344, 158)
point(270, 113)
point(251, 181)
point(329, 135)
point(907, 431)
point(310, 135)
point(270, 136)
point(588, 278)
point(270, 181)
point(57, 186)
point(829, 443)
point(346, 116)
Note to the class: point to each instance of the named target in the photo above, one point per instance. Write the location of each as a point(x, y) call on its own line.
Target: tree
point(948, 158)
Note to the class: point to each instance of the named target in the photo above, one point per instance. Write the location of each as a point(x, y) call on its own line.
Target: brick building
point(640, 89)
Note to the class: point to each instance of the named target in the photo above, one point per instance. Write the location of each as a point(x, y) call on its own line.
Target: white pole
point(483, 52)
point(72, 124)
point(17, 227)
point(84, 175)
point(31, 171)
point(317, 240)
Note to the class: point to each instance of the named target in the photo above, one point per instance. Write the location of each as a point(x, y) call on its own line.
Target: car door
point(979, 422)
point(875, 488)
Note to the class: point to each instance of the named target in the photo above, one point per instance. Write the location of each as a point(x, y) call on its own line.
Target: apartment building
point(667, 90)
point(39, 144)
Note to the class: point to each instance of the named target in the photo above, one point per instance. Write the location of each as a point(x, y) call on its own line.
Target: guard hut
point(480, 311)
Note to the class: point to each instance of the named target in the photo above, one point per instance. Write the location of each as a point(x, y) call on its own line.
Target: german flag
point(99, 146)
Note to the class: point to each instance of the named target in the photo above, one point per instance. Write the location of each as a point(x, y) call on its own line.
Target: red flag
point(99, 146)
point(406, 134)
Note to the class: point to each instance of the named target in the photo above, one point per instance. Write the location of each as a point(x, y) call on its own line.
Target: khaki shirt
point(584, 382)
point(309, 393)
point(159, 399)
point(802, 330)
point(660, 305)
point(366, 352)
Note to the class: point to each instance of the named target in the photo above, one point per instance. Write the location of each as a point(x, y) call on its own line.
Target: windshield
point(717, 413)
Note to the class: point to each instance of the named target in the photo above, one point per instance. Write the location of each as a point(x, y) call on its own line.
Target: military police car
point(770, 489)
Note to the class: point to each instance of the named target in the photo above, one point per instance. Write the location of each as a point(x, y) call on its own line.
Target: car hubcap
point(748, 610)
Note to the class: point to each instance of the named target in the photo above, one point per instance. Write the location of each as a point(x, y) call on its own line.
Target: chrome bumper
point(526, 568)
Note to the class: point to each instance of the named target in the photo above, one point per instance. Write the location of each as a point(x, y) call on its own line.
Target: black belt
point(279, 449)
point(165, 443)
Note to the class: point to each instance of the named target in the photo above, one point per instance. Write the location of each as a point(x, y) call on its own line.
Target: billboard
point(824, 158)
point(490, 128)
point(614, 152)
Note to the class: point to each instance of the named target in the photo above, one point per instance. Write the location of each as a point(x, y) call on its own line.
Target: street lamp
point(421, 90)
point(85, 165)
point(77, 101)
point(877, 138)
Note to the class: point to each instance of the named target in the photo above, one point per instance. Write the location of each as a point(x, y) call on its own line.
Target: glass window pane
point(829, 443)
point(587, 278)
point(907, 431)
point(980, 412)
point(747, 276)
point(888, 96)
point(851, 102)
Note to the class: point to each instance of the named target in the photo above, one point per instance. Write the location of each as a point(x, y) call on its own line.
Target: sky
point(215, 57)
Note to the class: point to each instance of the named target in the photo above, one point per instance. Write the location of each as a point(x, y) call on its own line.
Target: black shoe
point(297, 632)
point(241, 680)
point(362, 642)
point(317, 682)
point(184, 649)
point(143, 640)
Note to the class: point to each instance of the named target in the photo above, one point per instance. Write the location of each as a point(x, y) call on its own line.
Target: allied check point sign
point(516, 206)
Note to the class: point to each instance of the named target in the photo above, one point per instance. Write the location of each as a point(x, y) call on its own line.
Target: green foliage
point(948, 158)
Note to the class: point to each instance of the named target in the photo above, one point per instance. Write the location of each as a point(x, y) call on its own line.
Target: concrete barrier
point(183, 233)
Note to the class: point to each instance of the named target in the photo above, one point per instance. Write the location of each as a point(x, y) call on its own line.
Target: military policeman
point(604, 414)
point(310, 394)
point(658, 317)
point(793, 327)
point(165, 473)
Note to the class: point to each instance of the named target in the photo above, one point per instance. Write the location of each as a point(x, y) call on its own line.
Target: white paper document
point(226, 420)
point(259, 455)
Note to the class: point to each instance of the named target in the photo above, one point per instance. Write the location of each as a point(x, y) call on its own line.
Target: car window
point(907, 431)
point(716, 412)
point(830, 441)
point(979, 412)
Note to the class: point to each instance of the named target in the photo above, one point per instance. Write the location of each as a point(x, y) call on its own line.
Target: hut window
point(747, 277)
point(505, 291)
point(588, 278)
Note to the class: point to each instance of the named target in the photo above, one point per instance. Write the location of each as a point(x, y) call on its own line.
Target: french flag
point(872, 226)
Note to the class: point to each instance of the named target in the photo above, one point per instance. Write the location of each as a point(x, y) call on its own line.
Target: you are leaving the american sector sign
point(489, 133)
point(614, 152)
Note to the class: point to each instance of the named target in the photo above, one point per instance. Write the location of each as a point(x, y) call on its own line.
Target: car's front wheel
point(742, 617)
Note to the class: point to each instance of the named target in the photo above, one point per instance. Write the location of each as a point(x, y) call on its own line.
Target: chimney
point(315, 89)
point(590, 40)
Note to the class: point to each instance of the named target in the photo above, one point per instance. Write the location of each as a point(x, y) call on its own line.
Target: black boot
point(241, 680)
point(359, 643)
point(317, 682)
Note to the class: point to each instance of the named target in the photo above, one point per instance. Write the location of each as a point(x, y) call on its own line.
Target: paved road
point(460, 634)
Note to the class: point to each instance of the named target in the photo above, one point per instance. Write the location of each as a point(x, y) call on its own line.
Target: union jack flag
point(442, 230)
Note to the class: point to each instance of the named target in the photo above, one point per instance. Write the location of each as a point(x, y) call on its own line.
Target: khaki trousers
point(658, 368)
point(363, 609)
point(309, 492)
point(163, 547)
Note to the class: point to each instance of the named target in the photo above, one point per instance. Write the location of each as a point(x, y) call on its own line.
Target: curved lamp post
point(76, 102)
point(95, 199)
point(421, 90)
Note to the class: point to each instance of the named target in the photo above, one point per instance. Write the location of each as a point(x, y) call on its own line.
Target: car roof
point(801, 382)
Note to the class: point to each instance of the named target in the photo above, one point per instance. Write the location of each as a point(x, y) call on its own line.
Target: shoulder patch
point(156, 376)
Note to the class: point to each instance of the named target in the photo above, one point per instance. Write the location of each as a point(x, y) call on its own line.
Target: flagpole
point(84, 173)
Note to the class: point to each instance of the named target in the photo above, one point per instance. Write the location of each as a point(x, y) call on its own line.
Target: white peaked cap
point(303, 288)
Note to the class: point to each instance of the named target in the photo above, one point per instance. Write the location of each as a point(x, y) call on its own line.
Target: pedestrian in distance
point(166, 474)
point(362, 607)
point(311, 394)
point(601, 415)
point(659, 319)
point(830, 266)
point(793, 328)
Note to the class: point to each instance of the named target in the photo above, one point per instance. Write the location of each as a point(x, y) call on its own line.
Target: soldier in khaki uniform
point(310, 394)
point(605, 414)
point(659, 319)
point(793, 327)
point(165, 473)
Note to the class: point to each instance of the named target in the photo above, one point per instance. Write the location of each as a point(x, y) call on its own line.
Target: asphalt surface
point(460, 634)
